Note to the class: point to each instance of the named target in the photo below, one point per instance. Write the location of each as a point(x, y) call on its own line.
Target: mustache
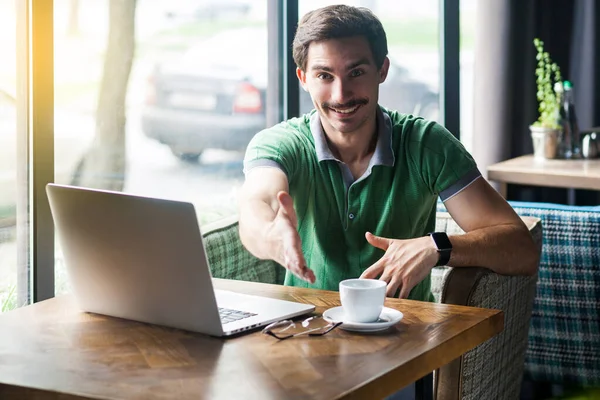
point(350, 104)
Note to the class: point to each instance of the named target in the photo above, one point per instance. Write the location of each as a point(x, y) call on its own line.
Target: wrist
point(443, 246)
point(432, 255)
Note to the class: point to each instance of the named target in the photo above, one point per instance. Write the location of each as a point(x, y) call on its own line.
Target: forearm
point(505, 249)
point(256, 218)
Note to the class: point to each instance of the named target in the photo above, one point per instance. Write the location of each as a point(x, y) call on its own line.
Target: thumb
point(286, 206)
point(377, 241)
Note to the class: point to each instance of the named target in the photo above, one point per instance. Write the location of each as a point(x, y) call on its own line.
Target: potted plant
point(546, 131)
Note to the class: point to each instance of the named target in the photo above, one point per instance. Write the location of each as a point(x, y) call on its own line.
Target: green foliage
point(8, 301)
point(547, 76)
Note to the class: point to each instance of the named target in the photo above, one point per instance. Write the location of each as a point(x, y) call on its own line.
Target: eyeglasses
point(312, 326)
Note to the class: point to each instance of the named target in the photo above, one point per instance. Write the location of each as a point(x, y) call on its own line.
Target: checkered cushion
point(564, 338)
point(229, 259)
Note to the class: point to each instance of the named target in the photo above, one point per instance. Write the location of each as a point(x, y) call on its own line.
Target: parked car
point(214, 95)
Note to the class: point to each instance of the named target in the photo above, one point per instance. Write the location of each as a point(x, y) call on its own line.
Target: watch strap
point(444, 257)
point(444, 247)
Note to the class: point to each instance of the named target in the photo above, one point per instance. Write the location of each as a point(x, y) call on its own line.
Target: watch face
point(441, 241)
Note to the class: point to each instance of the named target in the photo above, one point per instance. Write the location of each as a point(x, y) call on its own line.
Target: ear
point(385, 67)
point(302, 78)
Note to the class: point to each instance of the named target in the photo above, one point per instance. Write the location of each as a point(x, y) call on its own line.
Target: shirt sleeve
point(446, 166)
point(274, 147)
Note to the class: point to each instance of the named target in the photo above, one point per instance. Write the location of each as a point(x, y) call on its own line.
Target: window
point(14, 277)
point(173, 123)
point(468, 10)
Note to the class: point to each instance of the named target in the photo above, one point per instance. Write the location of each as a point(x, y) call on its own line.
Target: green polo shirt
point(414, 162)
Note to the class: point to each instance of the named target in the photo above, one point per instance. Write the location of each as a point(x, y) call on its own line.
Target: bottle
point(569, 118)
point(564, 134)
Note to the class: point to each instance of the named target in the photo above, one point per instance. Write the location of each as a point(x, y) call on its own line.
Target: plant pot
point(545, 142)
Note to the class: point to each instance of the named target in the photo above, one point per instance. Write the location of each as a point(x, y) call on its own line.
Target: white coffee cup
point(362, 299)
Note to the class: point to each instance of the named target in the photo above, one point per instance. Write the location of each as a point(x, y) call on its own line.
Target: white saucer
point(388, 317)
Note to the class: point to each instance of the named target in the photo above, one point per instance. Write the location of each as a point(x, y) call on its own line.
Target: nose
point(341, 91)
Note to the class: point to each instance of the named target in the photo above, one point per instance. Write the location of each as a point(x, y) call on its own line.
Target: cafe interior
point(160, 99)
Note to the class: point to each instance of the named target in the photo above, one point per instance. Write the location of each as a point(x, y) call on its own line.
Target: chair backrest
point(494, 369)
point(229, 259)
point(564, 338)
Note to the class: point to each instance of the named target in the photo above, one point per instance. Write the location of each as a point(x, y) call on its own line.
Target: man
point(349, 190)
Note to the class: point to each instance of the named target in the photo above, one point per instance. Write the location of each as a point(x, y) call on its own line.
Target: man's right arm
point(268, 224)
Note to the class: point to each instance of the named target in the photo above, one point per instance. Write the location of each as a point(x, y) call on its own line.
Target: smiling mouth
point(345, 111)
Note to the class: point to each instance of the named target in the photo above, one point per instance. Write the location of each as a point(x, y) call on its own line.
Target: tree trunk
point(103, 165)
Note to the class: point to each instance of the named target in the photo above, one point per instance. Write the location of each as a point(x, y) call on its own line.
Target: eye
point(356, 72)
point(323, 75)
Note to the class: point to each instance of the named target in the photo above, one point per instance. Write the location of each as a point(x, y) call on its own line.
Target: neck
point(353, 147)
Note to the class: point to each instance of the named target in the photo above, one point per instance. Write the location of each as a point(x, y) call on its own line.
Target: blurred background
point(161, 98)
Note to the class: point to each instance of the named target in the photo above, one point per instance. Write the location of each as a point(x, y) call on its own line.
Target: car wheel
point(187, 157)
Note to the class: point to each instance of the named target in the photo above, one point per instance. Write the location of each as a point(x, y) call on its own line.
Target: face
point(343, 82)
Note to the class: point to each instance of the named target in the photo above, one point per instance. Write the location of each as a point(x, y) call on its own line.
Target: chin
point(348, 127)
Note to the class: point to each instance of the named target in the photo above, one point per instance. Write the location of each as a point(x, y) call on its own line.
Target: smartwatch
point(444, 247)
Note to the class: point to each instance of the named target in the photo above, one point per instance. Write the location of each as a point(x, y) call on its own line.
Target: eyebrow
point(362, 61)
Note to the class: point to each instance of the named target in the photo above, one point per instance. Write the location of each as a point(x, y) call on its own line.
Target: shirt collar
point(383, 155)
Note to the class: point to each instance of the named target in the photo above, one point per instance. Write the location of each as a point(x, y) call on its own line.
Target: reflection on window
point(158, 98)
point(412, 30)
point(8, 187)
point(13, 258)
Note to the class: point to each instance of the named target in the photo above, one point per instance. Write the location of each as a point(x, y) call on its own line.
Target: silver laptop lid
point(135, 257)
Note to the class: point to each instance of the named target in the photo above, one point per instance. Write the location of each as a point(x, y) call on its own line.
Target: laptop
point(144, 259)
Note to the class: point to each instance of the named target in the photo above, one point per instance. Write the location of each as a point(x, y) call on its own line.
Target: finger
point(404, 292)
point(296, 269)
point(292, 248)
point(393, 286)
point(294, 258)
point(293, 262)
point(301, 271)
point(386, 275)
point(309, 275)
point(286, 206)
point(374, 270)
point(377, 241)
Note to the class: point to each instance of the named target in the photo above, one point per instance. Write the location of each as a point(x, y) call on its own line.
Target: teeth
point(347, 111)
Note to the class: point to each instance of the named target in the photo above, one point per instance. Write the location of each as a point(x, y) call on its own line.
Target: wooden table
point(527, 170)
point(51, 350)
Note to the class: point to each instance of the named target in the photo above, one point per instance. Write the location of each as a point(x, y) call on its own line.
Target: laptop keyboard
point(228, 315)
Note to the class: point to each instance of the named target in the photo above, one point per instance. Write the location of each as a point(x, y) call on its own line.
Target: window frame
point(450, 65)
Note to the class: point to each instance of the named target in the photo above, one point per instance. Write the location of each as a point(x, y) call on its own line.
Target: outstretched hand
point(285, 235)
point(404, 264)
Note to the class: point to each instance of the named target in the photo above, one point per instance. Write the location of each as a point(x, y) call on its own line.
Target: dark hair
point(335, 22)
